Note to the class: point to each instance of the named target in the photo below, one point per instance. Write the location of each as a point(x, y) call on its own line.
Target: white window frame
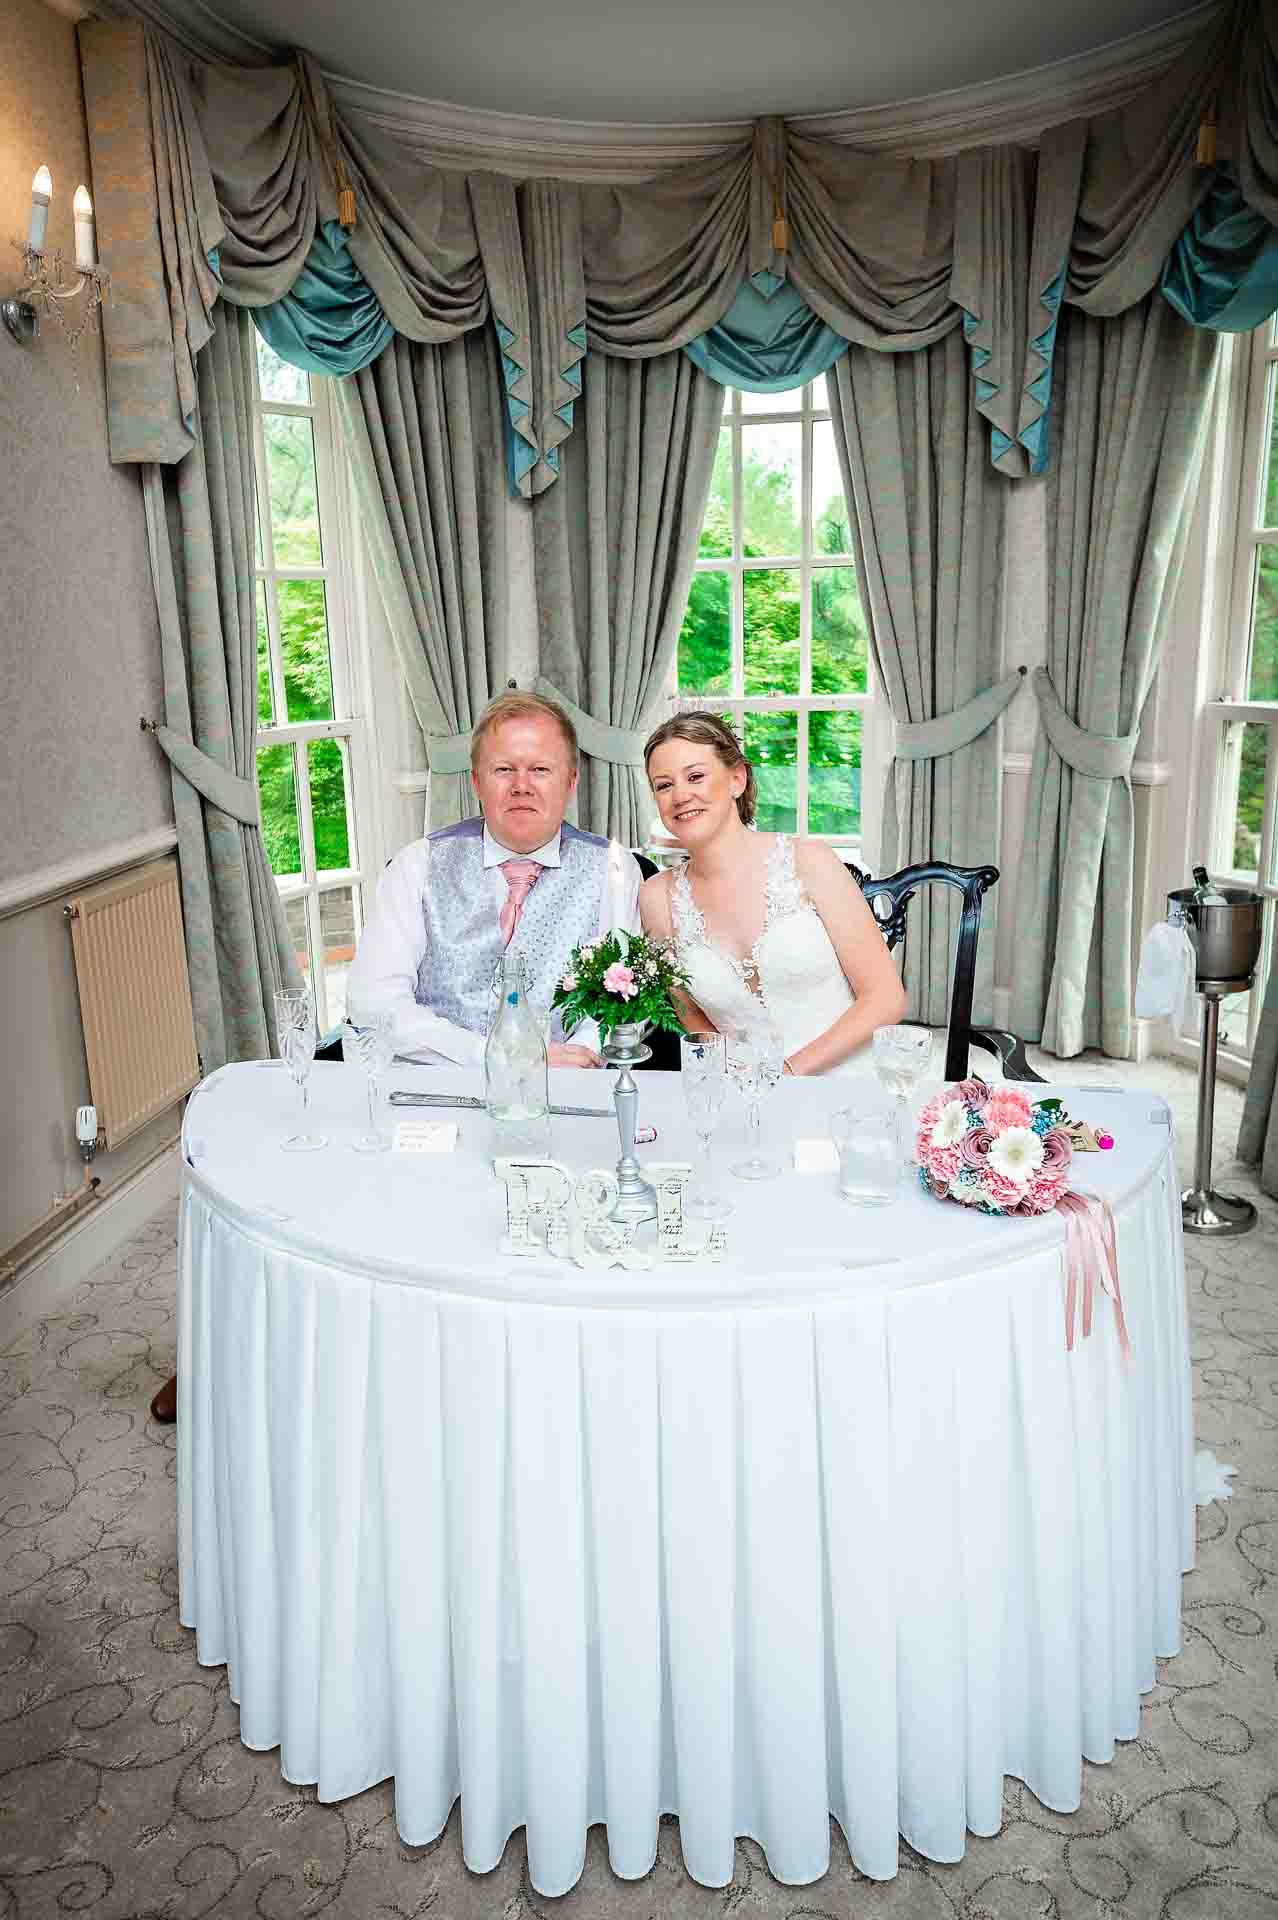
point(738, 703)
point(348, 668)
point(1252, 405)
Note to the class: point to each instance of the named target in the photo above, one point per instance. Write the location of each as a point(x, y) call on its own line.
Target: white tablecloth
point(838, 1525)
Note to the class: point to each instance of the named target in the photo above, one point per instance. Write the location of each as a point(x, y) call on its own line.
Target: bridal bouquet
point(619, 979)
point(988, 1148)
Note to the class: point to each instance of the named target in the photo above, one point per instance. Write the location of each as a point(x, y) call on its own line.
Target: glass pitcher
point(516, 1080)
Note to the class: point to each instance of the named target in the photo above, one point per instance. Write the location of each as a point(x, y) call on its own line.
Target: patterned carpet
point(125, 1792)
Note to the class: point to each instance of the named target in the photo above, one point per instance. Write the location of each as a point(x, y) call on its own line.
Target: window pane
point(1234, 1011)
point(834, 773)
point(308, 678)
point(705, 638)
point(277, 785)
point(337, 934)
point(290, 462)
point(831, 532)
point(1271, 478)
point(326, 764)
point(771, 745)
point(772, 630)
point(1251, 744)
point(770, 490)
point(840, 642)
point(1262, 680)
point(788, 401)
point(716, 528)
point(277, 380)
point(265, 704)
point(295, 914)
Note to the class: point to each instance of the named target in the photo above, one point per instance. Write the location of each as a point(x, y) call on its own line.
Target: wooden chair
point(889, 901)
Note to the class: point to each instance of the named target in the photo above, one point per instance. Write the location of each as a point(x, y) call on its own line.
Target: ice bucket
point(1226, 939)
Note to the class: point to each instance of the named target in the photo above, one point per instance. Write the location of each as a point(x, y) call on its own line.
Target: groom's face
point(524, 781)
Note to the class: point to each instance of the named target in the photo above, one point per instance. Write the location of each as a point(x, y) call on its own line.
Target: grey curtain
point(614, 545)
point(1130, 418)
point(1258, 1135)
point(199, 517)
point(928, 518)
point(423, 429)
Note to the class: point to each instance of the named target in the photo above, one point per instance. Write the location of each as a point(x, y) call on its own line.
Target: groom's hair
point(522, 706)
point(708, 730)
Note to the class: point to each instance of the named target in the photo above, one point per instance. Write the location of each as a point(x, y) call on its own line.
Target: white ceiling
point(668, 61)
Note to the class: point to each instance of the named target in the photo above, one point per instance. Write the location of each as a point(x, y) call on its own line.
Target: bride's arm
point(862, 954)
point(654, 918)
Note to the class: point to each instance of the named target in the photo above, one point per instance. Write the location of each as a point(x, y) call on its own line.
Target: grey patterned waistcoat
point(463, 939)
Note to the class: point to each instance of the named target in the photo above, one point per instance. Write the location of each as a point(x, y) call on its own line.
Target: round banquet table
point(837, 1525)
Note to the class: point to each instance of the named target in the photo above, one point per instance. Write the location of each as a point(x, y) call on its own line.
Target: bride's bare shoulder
point(654, 905)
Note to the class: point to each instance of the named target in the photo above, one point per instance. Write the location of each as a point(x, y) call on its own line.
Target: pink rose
point(620, 980)
point(1006, 1108)
point(1041, 1194)
point(974, 1092)
point(1058, 1151)
point(975, 1146)
point(943, 1163)
point(569, 982)
point(1004, 1193)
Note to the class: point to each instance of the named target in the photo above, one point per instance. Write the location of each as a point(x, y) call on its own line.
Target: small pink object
point(1104, 1141)
point(644, 1136)
point(619, 979)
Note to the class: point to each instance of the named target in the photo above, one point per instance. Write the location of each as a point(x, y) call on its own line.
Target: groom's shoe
point(164, 1405)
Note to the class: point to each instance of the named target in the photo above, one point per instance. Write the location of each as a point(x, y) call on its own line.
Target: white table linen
point(835, 1526)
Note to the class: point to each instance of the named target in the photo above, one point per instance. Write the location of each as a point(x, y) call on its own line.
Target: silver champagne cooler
point(1225, 932)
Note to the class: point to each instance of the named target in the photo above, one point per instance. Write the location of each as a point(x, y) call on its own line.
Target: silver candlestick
point(623, 1049)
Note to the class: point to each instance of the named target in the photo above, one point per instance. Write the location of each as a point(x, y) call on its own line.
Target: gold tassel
point(1205, 152)
point(780, 228)
point(346, 212)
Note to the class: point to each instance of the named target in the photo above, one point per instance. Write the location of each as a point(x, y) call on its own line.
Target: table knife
point(401, 1099)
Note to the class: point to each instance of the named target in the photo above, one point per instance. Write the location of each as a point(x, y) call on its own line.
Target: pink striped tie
point(521, 877)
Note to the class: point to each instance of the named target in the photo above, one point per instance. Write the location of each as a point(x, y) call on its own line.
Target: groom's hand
point(564, 1054)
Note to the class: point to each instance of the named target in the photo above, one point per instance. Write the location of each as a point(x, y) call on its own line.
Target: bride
point(760, 919)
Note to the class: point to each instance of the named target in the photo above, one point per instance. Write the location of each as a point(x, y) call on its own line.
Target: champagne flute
point(295, 1029)
point(902, 1055)
point(756, 1059)
point(369, 1046)
point(703, 1061)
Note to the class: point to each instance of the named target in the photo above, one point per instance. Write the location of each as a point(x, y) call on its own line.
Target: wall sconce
point(44, 273)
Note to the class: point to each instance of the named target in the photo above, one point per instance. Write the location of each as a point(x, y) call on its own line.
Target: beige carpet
point(125, 1792)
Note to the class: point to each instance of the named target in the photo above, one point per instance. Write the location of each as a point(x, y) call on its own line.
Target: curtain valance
point(203, 169)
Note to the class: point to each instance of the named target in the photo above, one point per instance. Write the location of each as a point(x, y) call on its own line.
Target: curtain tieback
point(448, 752)
point(623, 746)
point(1102, 756)
point(221, 789)
point(930, 739)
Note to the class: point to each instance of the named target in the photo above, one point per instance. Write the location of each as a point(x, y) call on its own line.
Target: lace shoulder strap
point(785, 889)
point(685, 914)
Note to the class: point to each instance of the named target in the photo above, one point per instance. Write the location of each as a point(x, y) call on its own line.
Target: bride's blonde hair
point(708, 730)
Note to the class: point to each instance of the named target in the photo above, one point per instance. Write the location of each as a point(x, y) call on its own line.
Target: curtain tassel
point(780, 226)
point(1205, 152)
point(346, 213)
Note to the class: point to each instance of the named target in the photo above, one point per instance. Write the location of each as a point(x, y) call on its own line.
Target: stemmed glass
point(902, 1055)
point(295, 1030)
point(756, 1060)
point(703, 1060)
point(370, 1047)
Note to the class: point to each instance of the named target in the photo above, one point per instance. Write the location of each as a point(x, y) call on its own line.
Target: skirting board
point(46, 1282)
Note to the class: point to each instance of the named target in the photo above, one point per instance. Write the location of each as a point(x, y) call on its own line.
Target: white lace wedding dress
point(792, 967)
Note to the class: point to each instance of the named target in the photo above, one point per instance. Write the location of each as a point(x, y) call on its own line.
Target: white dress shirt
point(383, 975)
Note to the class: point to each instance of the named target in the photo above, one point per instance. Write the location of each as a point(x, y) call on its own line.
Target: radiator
point(135, 999)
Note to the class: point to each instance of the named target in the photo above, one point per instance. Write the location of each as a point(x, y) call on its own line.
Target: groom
point(517, 876)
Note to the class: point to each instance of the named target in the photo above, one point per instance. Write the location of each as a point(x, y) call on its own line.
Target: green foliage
point(657, 976)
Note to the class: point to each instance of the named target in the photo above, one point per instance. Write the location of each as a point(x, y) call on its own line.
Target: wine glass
point(295, 1030)
point(703, 1061)
point(902, 1055)
point(370, 1047)
point(756, 1060)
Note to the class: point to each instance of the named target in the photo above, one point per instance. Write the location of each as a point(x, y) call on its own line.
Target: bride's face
point(696, 794)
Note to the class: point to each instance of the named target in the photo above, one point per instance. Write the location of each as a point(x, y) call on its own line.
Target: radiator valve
point(86, 1131)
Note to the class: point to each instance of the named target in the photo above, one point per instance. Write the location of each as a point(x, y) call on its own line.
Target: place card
point(425, 1136)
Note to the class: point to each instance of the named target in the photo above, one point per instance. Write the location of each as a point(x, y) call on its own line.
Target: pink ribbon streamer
point(1091, 1260)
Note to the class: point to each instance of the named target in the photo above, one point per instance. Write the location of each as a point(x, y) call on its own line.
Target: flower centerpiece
point(988, 1148)
point(621, 980)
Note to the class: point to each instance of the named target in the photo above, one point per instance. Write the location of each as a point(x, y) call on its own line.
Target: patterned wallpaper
point(79, 648)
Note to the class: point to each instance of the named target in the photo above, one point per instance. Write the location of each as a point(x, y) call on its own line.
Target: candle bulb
point(41, 194)
point(82, 211)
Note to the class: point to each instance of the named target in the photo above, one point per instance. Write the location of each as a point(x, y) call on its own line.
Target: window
point(774, 637)
point(1243, 722)
point(312, 747)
